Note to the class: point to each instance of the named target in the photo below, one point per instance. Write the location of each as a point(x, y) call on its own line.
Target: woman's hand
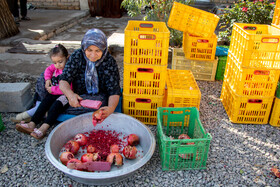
point(107, 111)
point(74, 100)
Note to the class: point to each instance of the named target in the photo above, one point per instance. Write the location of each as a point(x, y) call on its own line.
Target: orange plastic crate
point(201, 70)
point(199, 48)
point(245, 109)
point(144, 79)
point(275, 114)
point(256, 45)
point(276, 15)
point(250, 81)
point(143, 108)
point(182, 89)
point(192, 20)
point(146, 42)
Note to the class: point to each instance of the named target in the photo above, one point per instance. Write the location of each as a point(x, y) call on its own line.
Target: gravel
point(239, 155)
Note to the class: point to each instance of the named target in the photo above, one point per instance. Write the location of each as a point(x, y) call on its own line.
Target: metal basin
point(83, 123)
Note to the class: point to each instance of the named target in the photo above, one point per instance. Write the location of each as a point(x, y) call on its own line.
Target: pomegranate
point(185, 136)
point(91, 148)
point(72, 146)
point(114, 148)
point(133, 140)
point(130, 152)
point(87, 157)
point(74, 163)
point(186, 156)
point(65, 157)
point(97, 117)
point(115, 158)
point(81, 139)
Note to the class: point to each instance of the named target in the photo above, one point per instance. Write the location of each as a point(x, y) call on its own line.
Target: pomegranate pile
point(100, 150)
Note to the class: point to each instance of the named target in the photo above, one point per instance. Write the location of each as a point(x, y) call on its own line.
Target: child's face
point(93, 53)
point(59, 61)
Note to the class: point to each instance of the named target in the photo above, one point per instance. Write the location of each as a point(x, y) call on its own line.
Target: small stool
point(15, 97)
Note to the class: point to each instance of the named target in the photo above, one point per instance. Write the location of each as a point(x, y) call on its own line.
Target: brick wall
point(56, 4)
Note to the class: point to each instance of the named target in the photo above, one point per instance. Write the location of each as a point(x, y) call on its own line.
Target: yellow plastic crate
point(144, 79)
point(276, 15)
point(256, 45)
point(199, 48)
point(192, 20)
point(245, 109)
point(146, 42)
point(202, 70)
point(182, 89)
point(143, 108)
point(275, 114)
point(250, 81)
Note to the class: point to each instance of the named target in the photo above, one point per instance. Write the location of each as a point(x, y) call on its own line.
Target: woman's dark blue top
point(108, 74)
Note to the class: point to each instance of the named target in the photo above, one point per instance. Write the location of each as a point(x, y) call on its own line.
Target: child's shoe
point(24, 116)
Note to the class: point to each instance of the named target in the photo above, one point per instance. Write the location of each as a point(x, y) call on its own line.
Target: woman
point(94, 75)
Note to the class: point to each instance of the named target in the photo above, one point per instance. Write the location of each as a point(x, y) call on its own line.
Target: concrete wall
point(56, 4)
point(80, 4)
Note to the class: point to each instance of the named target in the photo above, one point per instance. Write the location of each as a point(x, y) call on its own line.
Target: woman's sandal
point(37, 134)
point(23, 127)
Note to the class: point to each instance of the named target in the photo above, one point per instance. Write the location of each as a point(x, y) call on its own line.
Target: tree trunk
point(8, 26)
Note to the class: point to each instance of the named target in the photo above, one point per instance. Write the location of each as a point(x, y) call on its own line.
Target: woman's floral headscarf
point(97, 38)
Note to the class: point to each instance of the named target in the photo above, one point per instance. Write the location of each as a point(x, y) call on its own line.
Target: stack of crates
point(145, 69)
point(199, 39)
point(252, 73)
point(275, 113)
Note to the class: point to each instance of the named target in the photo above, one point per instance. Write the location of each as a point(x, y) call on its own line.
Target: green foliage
point(254, 12)
point(156, 10)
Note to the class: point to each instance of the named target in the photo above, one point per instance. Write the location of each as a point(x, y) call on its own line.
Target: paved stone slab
point(15, 97)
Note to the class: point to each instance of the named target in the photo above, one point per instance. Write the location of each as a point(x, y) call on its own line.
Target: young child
point(54, 102)
point(41, 90)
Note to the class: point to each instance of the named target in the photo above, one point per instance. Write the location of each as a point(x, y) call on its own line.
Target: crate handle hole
point(270, 40)
point(202, 41)
point(147, 37)
point(261, 72)
point(142, 100)
point(251, 28)
point(146, 25)
point(254, 100)
point(145, 70)
point(176, 112)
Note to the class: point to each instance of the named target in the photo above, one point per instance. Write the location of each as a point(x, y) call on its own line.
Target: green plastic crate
point(277, 93)
point(181, 154)
point(221, 68)
point(2, 127)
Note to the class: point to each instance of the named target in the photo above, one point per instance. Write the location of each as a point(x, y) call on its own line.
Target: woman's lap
point(82, 110)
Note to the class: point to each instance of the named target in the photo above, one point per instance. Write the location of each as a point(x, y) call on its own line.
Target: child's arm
point(48, 76)
point(57, 91)
point(49, 72)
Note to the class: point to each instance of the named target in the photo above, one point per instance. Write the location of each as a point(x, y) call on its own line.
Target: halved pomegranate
point(81, 139)
point(65, 157)
point(115, 158)
point(72, 146)
point(130, 152)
